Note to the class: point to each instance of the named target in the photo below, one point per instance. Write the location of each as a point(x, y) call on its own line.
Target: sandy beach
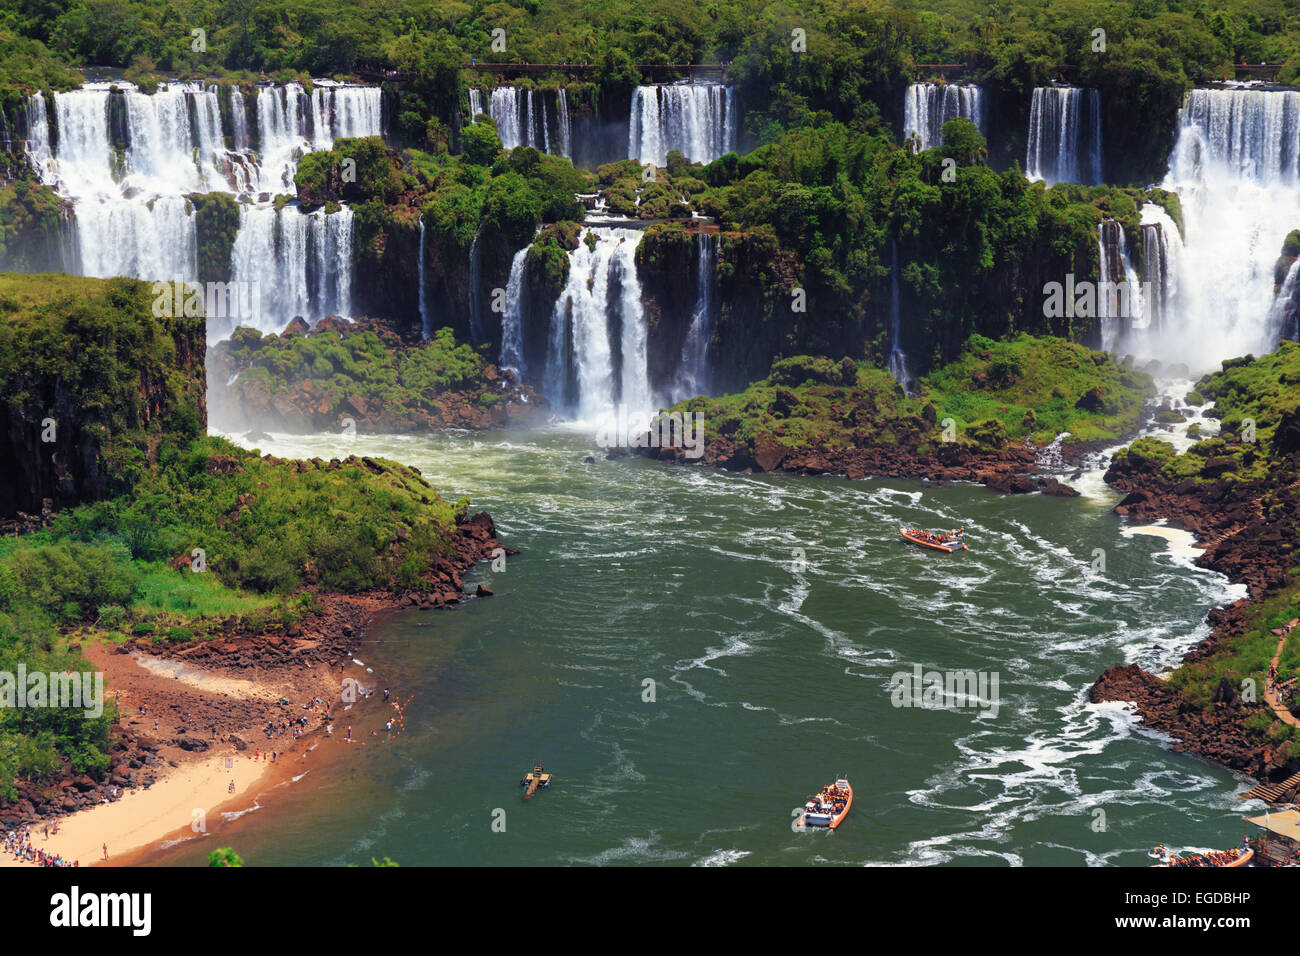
point(190, 798)
point(192, 789)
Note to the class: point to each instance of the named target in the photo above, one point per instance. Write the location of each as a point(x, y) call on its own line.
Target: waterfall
point(524, 119)
point(1125, 302)
point(512, 321)
point(1064, 135)
point(927, 106)
point(700, 121)
point(475, 295)
point(239, 120)
point(1286, 307)
point(692, 378)
point(597, 350)
point(562, 111)
point(166, 152)
point(897, 357)
point(312, 256)
point(38, 138)
point(425, 326)
point(1161, 244)
point(1234, 166)
point(127, 160)
point(83, 163)
point(146, 240)
point(280, 118)
point(475, 102)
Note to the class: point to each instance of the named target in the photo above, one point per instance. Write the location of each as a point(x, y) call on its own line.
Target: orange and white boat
point(827, 809)
point(947, 542)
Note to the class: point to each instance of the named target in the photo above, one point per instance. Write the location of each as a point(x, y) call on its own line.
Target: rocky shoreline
point(193, 723)
point(1009, 470)
point(1245, 528)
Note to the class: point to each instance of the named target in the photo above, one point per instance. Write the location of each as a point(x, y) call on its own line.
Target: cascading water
point(1283, 317)
point(523, 118)
point(300, 263)
point(700, 121)
point(425, 323)
point(1161, 245)
point(596, 357)
point(1120, 306)
point(475, 102)
point(1064, 135)
point(128, 184)
point(927, 106)
point(562, 114)
point(693, 377)
point(897, 358)
point(512, 320)
point(1234, 166)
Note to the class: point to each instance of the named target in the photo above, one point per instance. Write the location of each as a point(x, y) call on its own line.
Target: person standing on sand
point(106, 851)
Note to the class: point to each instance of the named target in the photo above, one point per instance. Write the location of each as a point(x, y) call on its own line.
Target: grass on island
point(1027, 388)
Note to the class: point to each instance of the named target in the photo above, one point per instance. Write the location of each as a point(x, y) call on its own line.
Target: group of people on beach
point(18, 844)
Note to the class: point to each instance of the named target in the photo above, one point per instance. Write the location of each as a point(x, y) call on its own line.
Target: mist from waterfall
point(1064, 135)
point(927, 106)
point(701, 121)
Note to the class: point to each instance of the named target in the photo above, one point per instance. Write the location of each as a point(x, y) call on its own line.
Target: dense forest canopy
point(324, 37)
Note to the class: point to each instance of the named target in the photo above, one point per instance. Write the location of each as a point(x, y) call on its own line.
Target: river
point(770, 612)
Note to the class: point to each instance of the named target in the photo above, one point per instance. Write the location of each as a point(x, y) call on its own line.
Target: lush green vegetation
point(1252, 398)
point(826, 209)
point(1256, 401)
point(1025, 389)
point(192, 537)
point(342, 371)
point(790, 61)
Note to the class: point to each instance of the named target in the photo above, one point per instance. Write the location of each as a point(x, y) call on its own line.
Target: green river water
point(771, 612)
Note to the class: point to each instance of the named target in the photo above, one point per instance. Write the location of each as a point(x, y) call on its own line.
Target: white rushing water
point(1120, 304)
point(425, 327)
point(512, 320)
point(129, 187)
point(1234, 166)
point(897, 357)
point(693, 369)
point(524, 118)
point(700, 121)
point(1064, 135)
point(927, 106)
point(596, 357)
point(300, 263)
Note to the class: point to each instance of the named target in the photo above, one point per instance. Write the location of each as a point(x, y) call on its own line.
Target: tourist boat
point(1239, 856)
point(534, 781)
point(827, 809)
point(947, 543)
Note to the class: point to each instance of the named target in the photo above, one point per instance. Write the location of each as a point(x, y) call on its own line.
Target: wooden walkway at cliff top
point(1275, 792)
